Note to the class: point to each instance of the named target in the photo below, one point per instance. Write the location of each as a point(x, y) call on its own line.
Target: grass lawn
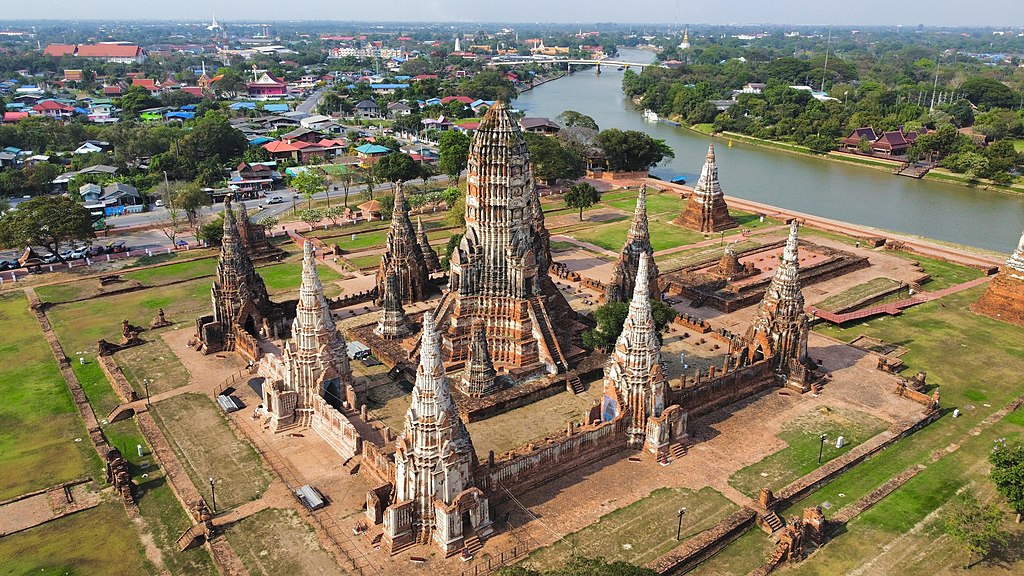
point(277, 541)
point(741, 556)
point(640, 532)
point(95, 542)
point(362, 241)
point(943, 274)
point(613, 236)
point(983, 377)
point(287, 276)
point(207, 448)
point(858, 293)
point(80, 324)
point(1018, 144)
point(684, 258)
point(174, 272)
point(704, 127)
point(38, 421)
point(366, 262)
point(67, 291)
point(801, 455)
point(665, 203)
point(153, 360)
point(165, 521)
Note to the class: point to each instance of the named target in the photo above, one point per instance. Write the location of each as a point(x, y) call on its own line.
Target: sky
point(830, 12)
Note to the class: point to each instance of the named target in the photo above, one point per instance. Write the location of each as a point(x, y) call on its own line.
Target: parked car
point(50, 259)
point(5, 265)
point(80, 252)
point(158, 203)
point(95, 250)
point(275, 200)
point(116, 247)
point(66, 254)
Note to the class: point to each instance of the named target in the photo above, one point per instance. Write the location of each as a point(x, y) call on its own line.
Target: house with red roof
point(54, 109)
point(250, 178)
point(148, 83)
point(108, 51)
point(463, 99)
point(12, 117)
point(852, 142)
point(891, 143)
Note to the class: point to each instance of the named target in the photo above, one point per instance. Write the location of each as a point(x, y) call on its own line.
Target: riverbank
point(939, 174)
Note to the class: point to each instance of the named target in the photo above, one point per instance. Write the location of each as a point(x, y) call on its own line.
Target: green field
point(640, 532)
point(800, 456)
point(173, 272)
point(276, 541)
point(39, 424)
point(287, 276)
point(95, 542)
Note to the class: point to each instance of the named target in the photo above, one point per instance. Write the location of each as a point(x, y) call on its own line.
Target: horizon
point(1000, 14)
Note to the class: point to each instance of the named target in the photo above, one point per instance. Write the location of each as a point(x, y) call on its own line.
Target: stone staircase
point(574, 384)
point(543, 322)
point(771, 522)
point(186, 540)
point(677, 450)
point(473, 544)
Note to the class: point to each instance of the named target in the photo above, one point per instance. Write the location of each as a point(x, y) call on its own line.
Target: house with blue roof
point(386, 88)
point(371, 151)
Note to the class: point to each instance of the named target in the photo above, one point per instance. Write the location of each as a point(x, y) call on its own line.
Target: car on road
point(9, 265)
point(80, 252)
point(50, 258)
point(275, 200)
point(95, 250)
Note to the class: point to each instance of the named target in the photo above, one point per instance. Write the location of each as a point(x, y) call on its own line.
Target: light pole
point(213, 496)
point(145, 382)
point(679, 526)
point(821, 447)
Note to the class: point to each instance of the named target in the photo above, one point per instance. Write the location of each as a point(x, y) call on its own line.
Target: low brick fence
point(117, 379)
point(699, 548)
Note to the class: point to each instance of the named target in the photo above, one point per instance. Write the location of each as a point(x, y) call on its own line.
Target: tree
point(455, 199)
point(974, 526)
point(269, 222)
point(489, 85)
point(136, 99)
point(308, 183)
point(454, 154)
point(571, 118)
point(168, 194)
point(370, 179)
point(632, 151)
point(311, 216)
point(611, 316)
point(212, 232)
point(347, 179)
point(334, 213)
point(192, 199)
point(582, 196)
point(1008, 473)
point(987, 93)
point(449, 249)
point(552, 160)
point(397, 167)
point(213, 137)
point(48, 221)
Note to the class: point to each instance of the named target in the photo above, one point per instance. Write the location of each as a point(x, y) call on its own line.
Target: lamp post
point(679, 526)
point(821, 447)
point(145, 382)
point(213, 496)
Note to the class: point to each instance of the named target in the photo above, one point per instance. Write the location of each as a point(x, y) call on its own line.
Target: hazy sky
point(840, 12)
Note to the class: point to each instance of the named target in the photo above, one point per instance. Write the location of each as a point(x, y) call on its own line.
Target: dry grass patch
point(276, 541)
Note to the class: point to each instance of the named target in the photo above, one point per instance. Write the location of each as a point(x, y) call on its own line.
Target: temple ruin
point(436, 500)
point(638, 242)
point(254, 238)
point(634, 383)
point(780, 328)
point(706, 210)
point(242, 310)
point(429, 254)
point(313, 364)
point(393, 322)
point(499, 272)
point(403, 256)
point(1004, 298)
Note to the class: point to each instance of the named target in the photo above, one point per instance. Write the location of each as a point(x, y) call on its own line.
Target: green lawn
point(67, 291)
point(663, 235)
point(207, 447)
point(39, 424)
point(166, 521)
point(640, 532)
point(741, 556)
point(1018, 144)
point(943, 274)
point(154, 361)
point(801, 454)
point(368, 262)
point(657, 204)
point(96, 542)
point(173, 272)
point(287, 276)
point(858, 293)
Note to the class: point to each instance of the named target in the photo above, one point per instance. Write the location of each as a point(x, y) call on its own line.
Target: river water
point(865, 196)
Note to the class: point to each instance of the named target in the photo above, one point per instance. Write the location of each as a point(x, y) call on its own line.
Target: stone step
point(772, 520)
point(575, 385)
point(677, 450)
point(473, 544)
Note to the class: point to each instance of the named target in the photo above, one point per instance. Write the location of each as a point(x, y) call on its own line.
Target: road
point(309, 104)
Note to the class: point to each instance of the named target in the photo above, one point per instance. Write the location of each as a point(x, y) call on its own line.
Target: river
point(870, 197)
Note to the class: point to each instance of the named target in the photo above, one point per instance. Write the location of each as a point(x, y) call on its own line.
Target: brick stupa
point(499, 273)
point(1004, 299)
point(403, 256)
point(638, 242)
point(706, 210)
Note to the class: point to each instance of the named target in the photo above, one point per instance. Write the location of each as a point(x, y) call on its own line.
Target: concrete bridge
point(568, 62)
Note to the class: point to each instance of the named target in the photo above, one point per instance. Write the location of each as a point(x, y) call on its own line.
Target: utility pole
point(935, 85)
point(828, 44)
point(679, 526)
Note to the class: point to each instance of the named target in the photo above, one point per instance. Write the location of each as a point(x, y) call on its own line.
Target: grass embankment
point(39, 423)
point(975, 362)
point(857, 294)
point(640, 532)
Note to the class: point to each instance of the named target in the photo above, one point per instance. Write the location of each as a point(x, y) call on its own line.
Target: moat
point(948, 212)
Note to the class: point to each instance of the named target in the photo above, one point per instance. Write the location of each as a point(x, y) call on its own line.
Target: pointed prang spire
point(639, 229)
point(393, 322)
point(708, 186)
point(1016, 261)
